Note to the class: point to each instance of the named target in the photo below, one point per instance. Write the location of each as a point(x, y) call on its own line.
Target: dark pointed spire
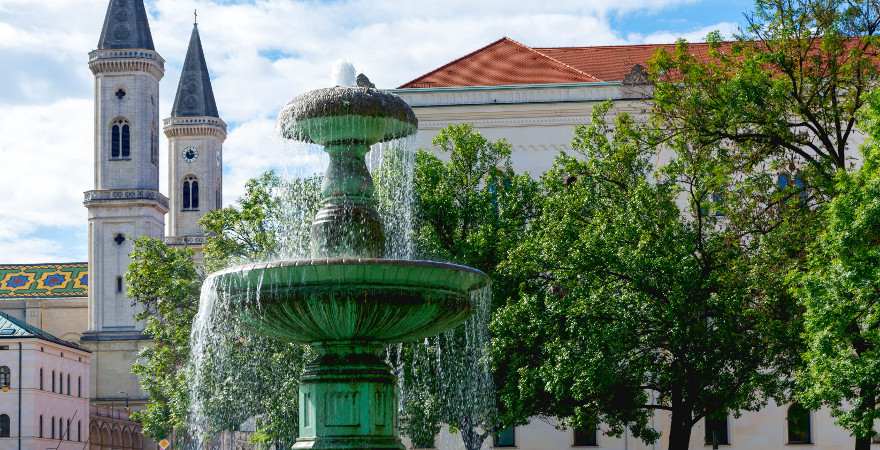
point(126, 25)
point(195, 97)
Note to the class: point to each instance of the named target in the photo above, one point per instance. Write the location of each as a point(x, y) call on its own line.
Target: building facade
point(534, 98)
point(86, 304)
point(44, 389)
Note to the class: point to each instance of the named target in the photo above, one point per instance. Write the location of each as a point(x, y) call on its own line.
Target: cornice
point(127, 60)
point(195, 127)
point(117, 196)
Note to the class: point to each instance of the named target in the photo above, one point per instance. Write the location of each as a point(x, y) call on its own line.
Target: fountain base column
point(348, 400)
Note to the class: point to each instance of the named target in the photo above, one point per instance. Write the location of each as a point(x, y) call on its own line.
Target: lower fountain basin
point(368, 300)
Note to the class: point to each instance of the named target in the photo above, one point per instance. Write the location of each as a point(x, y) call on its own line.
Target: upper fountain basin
point(344, 300)
point(345, 115)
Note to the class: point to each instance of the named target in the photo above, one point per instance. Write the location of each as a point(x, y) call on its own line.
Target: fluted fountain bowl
point(345, 300)
point(345, 115)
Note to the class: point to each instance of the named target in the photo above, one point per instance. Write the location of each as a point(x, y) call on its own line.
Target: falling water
point(235, 373)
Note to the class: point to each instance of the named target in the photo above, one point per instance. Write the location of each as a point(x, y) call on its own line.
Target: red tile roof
point(507, 62)
point(502, 62)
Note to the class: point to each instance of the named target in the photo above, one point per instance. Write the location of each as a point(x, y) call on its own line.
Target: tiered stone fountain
point(348, 302)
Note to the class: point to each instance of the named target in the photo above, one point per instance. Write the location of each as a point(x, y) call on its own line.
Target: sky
point(261, 54)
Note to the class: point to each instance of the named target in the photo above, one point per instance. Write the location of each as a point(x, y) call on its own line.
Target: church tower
point(195, 137)
point(126, 203)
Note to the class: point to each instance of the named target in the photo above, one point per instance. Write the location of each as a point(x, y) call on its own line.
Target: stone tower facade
point(195, 134)
point(126, 203)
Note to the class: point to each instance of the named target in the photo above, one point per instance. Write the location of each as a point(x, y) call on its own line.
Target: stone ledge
point(115, 195)
point(105, 336)
point(185, 240)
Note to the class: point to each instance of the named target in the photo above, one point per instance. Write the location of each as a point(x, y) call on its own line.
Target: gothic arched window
point(190, 193)
point(5, 376)
point(799, 426)
point(120, 140)
point(4, 426)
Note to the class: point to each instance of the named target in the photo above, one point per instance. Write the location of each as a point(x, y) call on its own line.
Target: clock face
point(190, 154)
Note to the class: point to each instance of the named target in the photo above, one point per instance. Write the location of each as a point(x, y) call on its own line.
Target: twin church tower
point(126, 203)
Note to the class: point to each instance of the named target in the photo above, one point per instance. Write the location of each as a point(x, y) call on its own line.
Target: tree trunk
point(863, 443)
point(679, 432)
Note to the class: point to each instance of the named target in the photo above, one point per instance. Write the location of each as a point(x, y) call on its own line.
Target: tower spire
point(126, 25)
point(195, 96)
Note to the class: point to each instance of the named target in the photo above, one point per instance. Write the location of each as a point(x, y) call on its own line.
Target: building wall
point(52, 358)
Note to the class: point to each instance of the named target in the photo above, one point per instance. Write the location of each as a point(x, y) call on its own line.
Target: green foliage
point(165, 283)
point(259, 376)
point(789, 88)
point(841, 293)
point(637, 297)
point(471, 209)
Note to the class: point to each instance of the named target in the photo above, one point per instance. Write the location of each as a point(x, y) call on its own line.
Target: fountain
point(348, 302)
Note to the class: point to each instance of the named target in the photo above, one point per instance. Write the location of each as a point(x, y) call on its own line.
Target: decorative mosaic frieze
point(44, 281)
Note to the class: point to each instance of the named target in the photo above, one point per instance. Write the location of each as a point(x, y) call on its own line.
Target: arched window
point(53, 383)
point(41, 378)
point(716, 431)
point(586, 436)
point(52, 426)
point(41, 426)
point(799, 427)
point(5, 376)
point(60, 384)
point(120, 140)
point(190, 193)
point(79, 431)
point(4, 426)
point(68, 384)
point(79, 386)
point(68, 437)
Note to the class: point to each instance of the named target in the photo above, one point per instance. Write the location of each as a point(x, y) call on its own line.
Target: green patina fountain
point(347, 302)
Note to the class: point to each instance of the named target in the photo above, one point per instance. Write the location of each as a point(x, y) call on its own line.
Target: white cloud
point(261, 53)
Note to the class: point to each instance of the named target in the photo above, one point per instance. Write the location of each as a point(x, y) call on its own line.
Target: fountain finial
point(364, 82)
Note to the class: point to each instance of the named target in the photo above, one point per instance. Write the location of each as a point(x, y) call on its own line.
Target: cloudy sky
point(261, 53)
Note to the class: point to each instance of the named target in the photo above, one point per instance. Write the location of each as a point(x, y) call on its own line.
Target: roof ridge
point(492, 44)
point(497, 41)
point(580, 47)
point(558, 61)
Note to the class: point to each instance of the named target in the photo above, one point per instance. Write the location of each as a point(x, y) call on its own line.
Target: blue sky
point(261, 53)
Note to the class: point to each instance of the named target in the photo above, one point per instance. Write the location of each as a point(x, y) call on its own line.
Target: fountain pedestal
point(348, 400)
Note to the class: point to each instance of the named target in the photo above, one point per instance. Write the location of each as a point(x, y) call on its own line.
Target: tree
point(471, 210)
point(631, 303)
point(165, 283)
point(841, 293)
point(790, 87)
point(250, 376)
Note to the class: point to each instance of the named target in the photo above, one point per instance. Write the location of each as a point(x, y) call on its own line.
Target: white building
point(44, 389)
point(534, 98)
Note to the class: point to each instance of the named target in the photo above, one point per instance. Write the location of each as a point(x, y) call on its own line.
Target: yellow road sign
point(164, 444)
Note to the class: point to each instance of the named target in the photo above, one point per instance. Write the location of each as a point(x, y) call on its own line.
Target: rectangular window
point(506, 437)
point(41, 378)
point(41, 426)
point(53, 382)
point(119, 285)
point(716, 431)
point(68, 384)
point(586, 436)
point(79, 386)
point(79, 431)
